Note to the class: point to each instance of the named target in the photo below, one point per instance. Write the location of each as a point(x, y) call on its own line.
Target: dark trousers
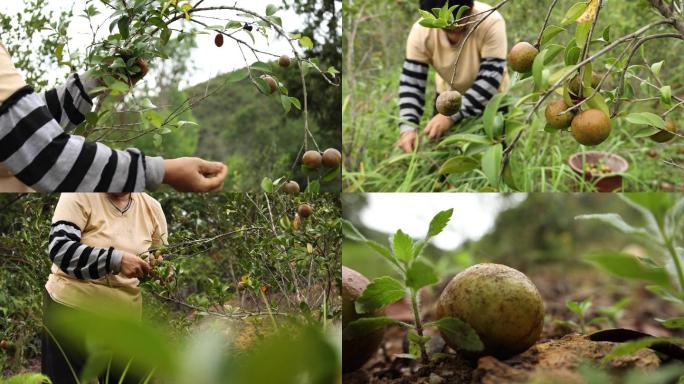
point(53, 362)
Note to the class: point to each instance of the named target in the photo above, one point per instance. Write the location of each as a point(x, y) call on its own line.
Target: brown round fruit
point(332, 158)
point(575, 83)
point(667, 135)
point(304, 210)
point(652, 152)
point(501, 304)
point(312, 159)
point(291, 187)
point(356, 350)
point(591, 127)
point(218, 40)
point(272, 83)
point(4, 344)
point(555, 119)
point(522, 57)
point(284, 61)
point(449, 103)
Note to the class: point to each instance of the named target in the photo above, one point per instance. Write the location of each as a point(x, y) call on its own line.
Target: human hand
point(133, 266)
point(438, 126)
point(407, 141)
point(192, 174)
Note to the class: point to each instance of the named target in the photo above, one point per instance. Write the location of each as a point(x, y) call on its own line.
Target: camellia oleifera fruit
point(291, 187)
point(312, 159)
point(272, 84)
point(591, 127)
point(304, 210)
point(332, 158)
point(284, 61)
point(666, 135)
point(356, 350)
point(218, 40)
point(557, 120)
point(500, 303)
point(575, 84)
point(448, 103)
point(521, 57)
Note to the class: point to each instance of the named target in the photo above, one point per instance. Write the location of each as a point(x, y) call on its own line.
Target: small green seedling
point(416, 273)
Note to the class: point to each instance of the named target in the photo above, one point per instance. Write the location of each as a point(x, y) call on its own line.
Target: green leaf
point(28, 378)
point(574, 13)
point(459, 333)
point(489, 116)
point(306, 42)
point(616, 221)
point(646, 118)
point(238, 75)
point(673, 323)
point(271, 10)
point(628, 266)
point(261, 66)
point(632, 347)
point(350, 232)
point(538, 69)
point(491, 164)
point(314, 186)
point(582, 33)
point(402, 245)
point(666, 95)
point(123, 27)
point(165, 36)
point(420, 274)
point(550, 32)
point(439, 222)
point(362, 327)
point(459, 164)
point(379, 293)
point(267, 185)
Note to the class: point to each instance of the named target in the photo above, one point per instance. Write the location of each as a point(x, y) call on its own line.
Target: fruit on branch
point(522, 57)
point(218, 40)
point(555, 119)
point(248, 27)
point(291, 187)
point(312, 159)
point(449, 103)
point(591, 127)
point(652, 152)
point(356, 350)
point(501, 304)
point(284, 61)
point(332, 158)
point(272, 83)
point(304, 210)
point(4, 344)
point(666, 135)
point(575, 84)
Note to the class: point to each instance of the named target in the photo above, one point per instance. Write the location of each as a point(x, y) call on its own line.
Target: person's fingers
point(145, 268)
point(214, 179)
point(210, 168)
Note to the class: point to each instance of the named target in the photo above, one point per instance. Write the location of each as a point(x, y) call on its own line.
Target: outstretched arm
point(68, 103)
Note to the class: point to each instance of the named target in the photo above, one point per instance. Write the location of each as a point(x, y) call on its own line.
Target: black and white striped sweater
point(412, 91)
point(77, 259)
point(35, 147)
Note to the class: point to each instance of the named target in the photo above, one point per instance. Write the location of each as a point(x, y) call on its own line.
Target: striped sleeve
point(77, 259)
point(412, 93)
point(41, 155)
point(68, 103)
point(486, 85)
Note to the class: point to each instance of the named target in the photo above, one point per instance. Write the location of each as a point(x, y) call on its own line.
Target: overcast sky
point(209, 60)
point(474, 214)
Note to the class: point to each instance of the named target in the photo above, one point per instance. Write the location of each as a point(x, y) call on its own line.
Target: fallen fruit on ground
point(291, 187)
point(355, 351)
point(312, 159)
point(522, 57)
point(218, 40)
point(555, 119)
point(449, 103)
point(591, 127)
point(500, 303)
point(667, 135)
point(284, 61)
point(272, 84)
point(304, 210)
point(332, 158)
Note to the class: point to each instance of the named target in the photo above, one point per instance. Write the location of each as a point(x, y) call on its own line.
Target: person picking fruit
point(37, 154)
point(480, 73)
point(93, 246)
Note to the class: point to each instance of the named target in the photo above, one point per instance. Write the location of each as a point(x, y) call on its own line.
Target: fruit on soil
point(576, 83)
point(284, 61)
point(500, 303)
point(312, 159)
point(272, 84)
point(332, 158)
point(553, 117)
point(665, 136)
point(449, 103)
point(291, 187)
point(591, 127)
point(218, 40)
point(356, 351)
point(304, 210)
point(521, 57)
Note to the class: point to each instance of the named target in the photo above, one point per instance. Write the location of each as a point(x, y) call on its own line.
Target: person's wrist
point(115, 261)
